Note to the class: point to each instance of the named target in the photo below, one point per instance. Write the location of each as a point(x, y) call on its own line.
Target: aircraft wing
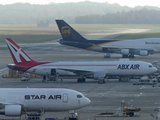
point(86, 72)
point(79, 72)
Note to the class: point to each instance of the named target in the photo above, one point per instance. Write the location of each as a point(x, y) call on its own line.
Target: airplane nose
point(155, 69)
point(88, 101)
point(85, 102)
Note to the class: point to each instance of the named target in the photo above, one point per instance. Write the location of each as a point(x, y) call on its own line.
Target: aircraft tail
point(22, 61)
point(68, 33)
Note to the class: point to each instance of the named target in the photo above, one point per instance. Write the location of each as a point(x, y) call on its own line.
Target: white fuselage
point(147, 43)
point(33, 99)
point(124, 67)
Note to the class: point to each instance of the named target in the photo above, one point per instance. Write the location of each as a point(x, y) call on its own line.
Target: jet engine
point(143, 53)
point(99, 74)
point(11, 110)
point(125, 51)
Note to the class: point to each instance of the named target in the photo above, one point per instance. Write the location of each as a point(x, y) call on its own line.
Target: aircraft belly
point(50, 105)
point(60, 106)
point(124, 72)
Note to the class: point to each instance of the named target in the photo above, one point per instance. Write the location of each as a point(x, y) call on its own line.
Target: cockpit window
point(79, 96)
point(150, 66)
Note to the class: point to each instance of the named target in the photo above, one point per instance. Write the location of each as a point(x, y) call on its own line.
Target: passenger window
point(79, 96)
point(150, 65)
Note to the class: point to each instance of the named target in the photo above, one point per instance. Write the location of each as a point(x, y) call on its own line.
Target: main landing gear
point(101, 81)
point(81, 80)
point(124, 78)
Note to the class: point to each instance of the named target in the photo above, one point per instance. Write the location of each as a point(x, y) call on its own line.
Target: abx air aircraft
point(128, 48)
point(18, 101)
point(96, 70)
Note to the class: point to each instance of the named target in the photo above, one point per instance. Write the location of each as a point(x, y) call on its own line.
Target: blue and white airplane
point(128, 48)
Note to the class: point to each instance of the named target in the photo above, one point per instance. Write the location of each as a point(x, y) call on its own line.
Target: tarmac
point(104, 97)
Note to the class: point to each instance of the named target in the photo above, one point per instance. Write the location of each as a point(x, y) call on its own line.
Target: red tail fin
point(21, 60)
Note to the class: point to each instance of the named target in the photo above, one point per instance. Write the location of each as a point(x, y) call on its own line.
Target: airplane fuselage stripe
point(99, 44)
point(79, 65)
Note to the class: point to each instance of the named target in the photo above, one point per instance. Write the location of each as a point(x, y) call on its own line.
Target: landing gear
point(124, 78)
point(101, 82)
point(81, 80)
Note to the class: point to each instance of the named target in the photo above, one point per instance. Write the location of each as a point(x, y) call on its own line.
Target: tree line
point(142, 16)
point(81, 12)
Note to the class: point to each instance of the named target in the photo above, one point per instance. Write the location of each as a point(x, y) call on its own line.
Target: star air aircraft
point(127, 48)
point(19, 101)
point(97, 70)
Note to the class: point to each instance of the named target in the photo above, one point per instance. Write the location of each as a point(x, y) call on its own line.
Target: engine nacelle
point(99, 75)
point(11, 110)
point(125, 51)
point(143, 53)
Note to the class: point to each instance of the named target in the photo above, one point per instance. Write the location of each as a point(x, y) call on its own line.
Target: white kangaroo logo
point(17, 52)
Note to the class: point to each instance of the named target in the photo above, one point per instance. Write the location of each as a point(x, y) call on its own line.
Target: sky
point(130, 3)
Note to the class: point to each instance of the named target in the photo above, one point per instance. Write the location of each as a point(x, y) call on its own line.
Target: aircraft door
point(53, 71)
point(65, 97)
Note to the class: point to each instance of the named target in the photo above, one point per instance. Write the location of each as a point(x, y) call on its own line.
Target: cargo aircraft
point(19, 101)
point(127, 48)
point(97, 70)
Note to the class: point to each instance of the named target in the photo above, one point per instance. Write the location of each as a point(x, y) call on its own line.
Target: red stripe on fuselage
point(79, 65)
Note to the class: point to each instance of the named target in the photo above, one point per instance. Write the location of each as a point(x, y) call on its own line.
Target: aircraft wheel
point(101, 82)
point(44, 81)
point(81, 80)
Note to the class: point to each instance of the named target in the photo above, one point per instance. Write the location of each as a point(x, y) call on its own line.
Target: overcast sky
point(130, 3)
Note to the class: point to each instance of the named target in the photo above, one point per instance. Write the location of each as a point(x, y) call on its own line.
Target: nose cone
point(154, 69)
point(85, 102)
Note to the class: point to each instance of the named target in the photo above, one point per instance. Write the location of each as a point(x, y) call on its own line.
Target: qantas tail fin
point(22, 61)
point(68, 33)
